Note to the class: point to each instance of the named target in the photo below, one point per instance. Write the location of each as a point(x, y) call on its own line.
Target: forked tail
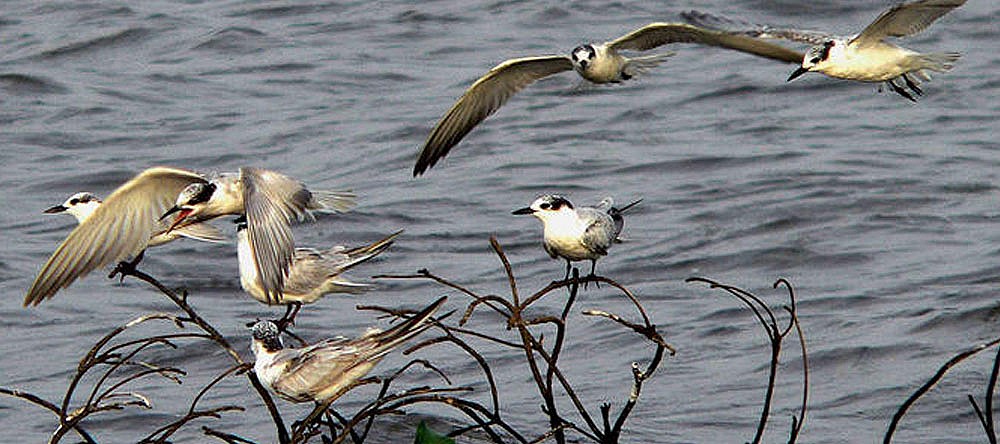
point(389, 339)
point(640, 65)
point(340, 201)
point(939, 61)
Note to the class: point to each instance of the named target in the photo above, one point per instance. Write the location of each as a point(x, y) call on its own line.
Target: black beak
point(798, 72)
point(172, 210)
point(56, 209)
point(525, 210)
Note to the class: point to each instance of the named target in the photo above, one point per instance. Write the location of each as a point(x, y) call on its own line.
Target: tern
point(867, 56)
point(127, 222)
point(120, 227)
point(83, 204)
point(598, 63)
point(269, 201)
point(577, 234)
point(312, 274)
point(324, 371)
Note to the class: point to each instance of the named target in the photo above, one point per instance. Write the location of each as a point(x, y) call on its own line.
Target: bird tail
point(416, 324)
point(340, 201)
point(616, 216)
point(938, 61)
point(640, 65)
point(363, 253)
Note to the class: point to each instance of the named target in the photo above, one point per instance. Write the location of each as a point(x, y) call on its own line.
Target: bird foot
point(123, 269)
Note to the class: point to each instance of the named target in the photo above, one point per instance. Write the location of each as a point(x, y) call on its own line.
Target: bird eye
point(814, 60)
point(545, 206)
point(74, 201)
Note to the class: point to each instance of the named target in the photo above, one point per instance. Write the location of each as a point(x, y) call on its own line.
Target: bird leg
point(899, 90)
point(913, 85)
point(291, 310)
point(593, 267)
point(127, 268)
point(568, 266)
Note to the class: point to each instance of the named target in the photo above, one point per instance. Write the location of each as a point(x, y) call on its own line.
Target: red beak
point(181, 215)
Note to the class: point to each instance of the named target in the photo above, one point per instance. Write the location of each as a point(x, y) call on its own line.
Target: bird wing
point(905, 19)
point(271, 201)
point(657, 34)
point(739, 27)
point(202, 231)
point(482, 99)
point(320, 366)
point(119, 228)
point(599, 233)
point(310, 270)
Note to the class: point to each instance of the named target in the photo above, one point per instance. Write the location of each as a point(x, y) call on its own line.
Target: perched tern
point(269, 201)
point(324, 371)
point(577, 234)
point(867, 56)
point(312, 274)
point(597, 63)
point(121, 227)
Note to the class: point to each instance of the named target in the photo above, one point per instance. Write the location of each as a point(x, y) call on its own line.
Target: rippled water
point(880, 211)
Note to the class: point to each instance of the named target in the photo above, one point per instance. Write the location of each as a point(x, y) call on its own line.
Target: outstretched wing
point(271, 201)
point(119, 228)
point(905, 19)
point(482, 99)
point(739, 27)
point(657, 34)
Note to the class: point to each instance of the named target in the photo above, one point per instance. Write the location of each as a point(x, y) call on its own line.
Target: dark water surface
point(883, 213)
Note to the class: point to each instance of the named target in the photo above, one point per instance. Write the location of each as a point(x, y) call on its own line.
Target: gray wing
point(739, 27)
point(320, 366)
point(482, 99)
point(600, 233)
point(119, 228)
point(657, 34)
point(309, 270)
point(202, 231)
point(271, 201)
point(905, 19)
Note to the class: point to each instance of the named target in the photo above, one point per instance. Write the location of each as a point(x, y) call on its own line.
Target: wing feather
point(657, 34)
point(482, 99)
point(905, 19)
point(119, 228)
point(271, 201)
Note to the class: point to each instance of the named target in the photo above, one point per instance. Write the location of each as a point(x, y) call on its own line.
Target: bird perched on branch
point(324, 371)
point(312, 274)
point(577, 234)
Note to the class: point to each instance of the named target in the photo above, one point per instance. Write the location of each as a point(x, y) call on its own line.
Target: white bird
point(324, 371)
point(83, 204)
point(597, 63)
point(129, 218)
point(577, 234)
point(121, 227)
point(312, 274)
point(270, 201)
point(867, 56)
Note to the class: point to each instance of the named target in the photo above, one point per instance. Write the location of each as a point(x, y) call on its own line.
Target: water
point(880, 211)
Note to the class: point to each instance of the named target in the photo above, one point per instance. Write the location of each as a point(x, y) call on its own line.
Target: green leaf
point(426, 436)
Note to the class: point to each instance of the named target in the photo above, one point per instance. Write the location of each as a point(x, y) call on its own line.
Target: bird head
point(582, 56)
point(190, 202)
point(547, 206)
point(81, 205)
point(814, 58)
point(266, 337)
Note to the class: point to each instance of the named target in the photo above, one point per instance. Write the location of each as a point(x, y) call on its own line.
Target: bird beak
point(56, 209)
point(182, 214)
point(798, 72)
point(525, 210)
point(172, 210)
